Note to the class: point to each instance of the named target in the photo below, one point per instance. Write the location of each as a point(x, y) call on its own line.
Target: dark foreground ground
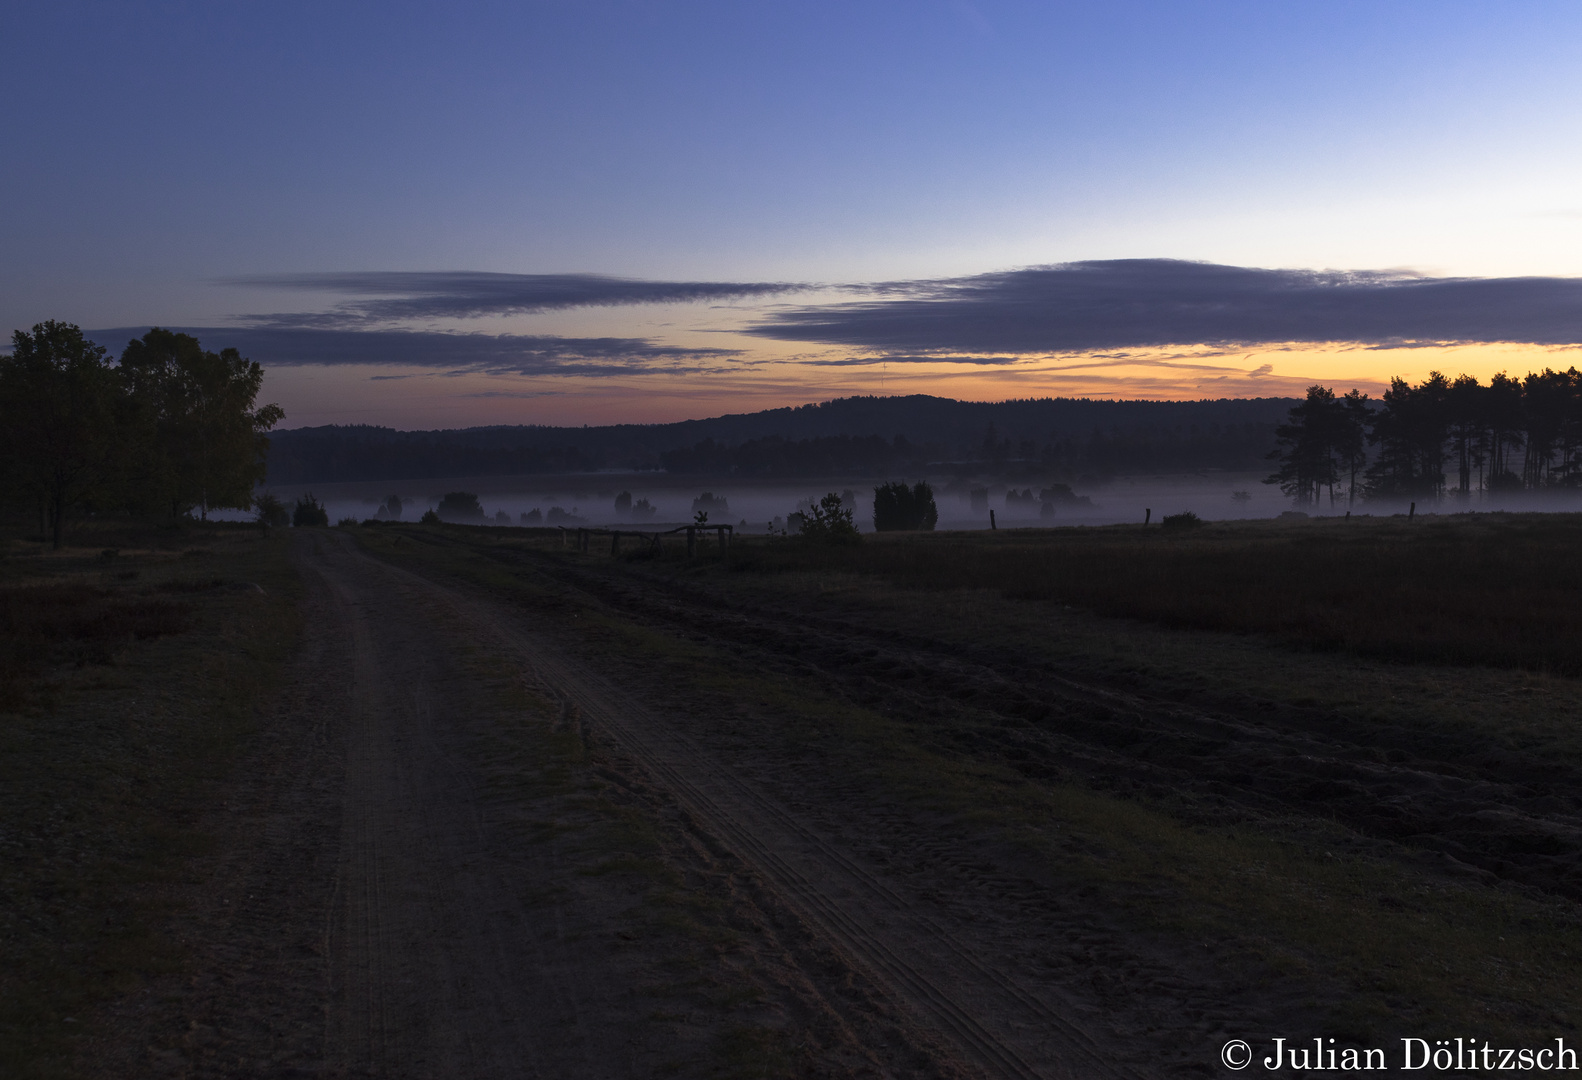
point(401, 801)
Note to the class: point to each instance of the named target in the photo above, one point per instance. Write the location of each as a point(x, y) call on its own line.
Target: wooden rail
point(584, 537)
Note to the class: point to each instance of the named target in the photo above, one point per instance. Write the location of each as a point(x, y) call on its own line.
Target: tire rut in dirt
point(1499, 814)
point(1007, 1028)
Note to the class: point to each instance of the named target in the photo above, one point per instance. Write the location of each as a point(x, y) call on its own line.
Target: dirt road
point(430, 961)
point(461, 850)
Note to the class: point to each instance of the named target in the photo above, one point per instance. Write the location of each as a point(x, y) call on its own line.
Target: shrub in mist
point(309, 512)
point(270, 512)
point(1182, 521)
point(429, 518)
point(828, 521)
point(898, 507)
point(460, 506)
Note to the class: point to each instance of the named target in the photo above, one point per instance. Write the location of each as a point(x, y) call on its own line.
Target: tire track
point(1006, 1028)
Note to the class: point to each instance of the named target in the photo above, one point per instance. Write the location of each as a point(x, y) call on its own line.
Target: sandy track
point(998, 1023)
point(437, 966)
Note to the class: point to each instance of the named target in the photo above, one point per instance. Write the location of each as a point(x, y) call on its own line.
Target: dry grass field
point(988, 804)
point(131, 664)
point(1340, 759)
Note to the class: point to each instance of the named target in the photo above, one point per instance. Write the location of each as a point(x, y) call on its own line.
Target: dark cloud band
point(1134, 303)
point(495, 354)
point(396, 296)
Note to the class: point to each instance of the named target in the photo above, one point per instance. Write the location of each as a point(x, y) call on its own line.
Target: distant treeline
point(1509, 435)
point(865, 436)
point(168, 429)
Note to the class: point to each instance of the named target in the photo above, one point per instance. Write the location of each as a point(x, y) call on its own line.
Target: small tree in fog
point(898, 507)
point(829, 522)
point(309, 512)
point(270, 512)
point(460, 506)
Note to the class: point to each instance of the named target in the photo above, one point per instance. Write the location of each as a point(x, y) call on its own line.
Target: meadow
point(1339, 757)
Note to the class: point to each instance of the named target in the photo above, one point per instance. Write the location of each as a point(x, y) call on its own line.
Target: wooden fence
point(583, 538)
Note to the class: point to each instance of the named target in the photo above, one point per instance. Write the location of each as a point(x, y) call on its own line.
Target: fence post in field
point(692, 541)
point(992, 525)
point(1147, 516)
point(1411, 512)
point(720, 535)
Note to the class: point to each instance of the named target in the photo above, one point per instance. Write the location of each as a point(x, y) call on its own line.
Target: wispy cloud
point(888, 358)
point(382, 297)
point(1078, 307)
point(493, 354)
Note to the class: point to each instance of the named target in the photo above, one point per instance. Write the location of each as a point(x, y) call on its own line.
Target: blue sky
point(187, 164)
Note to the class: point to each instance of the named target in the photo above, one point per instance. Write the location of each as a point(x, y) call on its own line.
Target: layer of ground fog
point(401, 800)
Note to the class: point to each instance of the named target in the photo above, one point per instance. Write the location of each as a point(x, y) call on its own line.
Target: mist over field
point(1033, 464)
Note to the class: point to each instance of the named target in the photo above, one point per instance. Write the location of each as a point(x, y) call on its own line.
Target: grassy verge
point(133, 665)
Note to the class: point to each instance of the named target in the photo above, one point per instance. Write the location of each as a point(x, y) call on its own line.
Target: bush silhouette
point(270, 512)
point(309, 512)
point(429, 518)
point(1184, 520)
point(829, 522)
point(460, 506)
point(897, 507)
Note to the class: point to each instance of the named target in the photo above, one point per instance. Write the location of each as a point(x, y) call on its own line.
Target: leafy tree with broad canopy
point(58, 431)
point(202, 438)
point(170, 429)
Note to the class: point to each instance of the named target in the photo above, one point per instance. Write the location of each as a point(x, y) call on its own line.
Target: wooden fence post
point(1147, 516)
point(1411, 513)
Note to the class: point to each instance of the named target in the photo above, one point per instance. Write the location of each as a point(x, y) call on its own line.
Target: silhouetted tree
point(1468, 405)
point(898, 507)
point(59, 430)
point(829, 521)
point(1351, 439)
point(1308, 447)
point(1410, 430)
point(201, 437)
point(460, 506)
point(1547, 403)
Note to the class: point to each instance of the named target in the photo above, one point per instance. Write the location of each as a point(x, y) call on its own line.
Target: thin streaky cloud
point(449, 353)
point(395, 296)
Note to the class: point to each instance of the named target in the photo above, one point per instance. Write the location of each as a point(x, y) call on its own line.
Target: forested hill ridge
point(857, 435)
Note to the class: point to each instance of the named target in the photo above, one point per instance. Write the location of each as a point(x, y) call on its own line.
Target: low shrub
point(1182, 521)
point(309, 512)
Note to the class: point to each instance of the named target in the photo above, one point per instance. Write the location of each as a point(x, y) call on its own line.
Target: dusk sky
point(429, 215)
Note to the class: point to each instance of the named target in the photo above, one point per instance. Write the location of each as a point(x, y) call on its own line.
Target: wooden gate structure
point(583, 538)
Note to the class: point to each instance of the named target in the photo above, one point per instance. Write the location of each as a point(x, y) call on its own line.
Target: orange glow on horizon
point(419, 400)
